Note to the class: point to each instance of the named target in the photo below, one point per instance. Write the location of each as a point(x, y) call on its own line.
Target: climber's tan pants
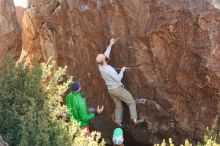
point(121, 94)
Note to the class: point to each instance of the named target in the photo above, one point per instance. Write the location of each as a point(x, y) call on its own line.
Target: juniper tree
point(31, 108)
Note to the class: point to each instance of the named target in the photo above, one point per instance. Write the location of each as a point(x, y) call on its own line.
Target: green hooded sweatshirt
point(77, 107)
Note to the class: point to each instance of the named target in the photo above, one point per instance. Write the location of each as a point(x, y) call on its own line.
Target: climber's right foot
point(118, 124)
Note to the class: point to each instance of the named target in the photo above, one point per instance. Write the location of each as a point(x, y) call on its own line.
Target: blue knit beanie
point(75, 86)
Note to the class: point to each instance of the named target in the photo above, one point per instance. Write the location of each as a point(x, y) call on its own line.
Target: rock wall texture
point(171, 46)
point(10, 32)
point(19, 14)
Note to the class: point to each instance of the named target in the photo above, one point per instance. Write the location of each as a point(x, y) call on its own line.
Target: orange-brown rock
point(172, 46)
point(10, 33)
point(19, 13)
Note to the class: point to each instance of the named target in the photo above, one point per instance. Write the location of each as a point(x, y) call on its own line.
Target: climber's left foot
point(139, 121)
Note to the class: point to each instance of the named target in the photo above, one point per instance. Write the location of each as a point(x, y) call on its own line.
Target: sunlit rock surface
point(10, 33)
point(19, 13)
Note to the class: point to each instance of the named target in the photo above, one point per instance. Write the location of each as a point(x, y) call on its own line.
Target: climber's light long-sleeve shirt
point(111, 77)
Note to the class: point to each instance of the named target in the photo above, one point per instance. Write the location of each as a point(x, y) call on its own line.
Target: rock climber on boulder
point(115, 87)
point(77, 107)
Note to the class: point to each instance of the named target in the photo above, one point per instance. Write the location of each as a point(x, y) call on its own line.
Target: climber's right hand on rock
point(100, 110)
point(123, 68)
point(112, 41)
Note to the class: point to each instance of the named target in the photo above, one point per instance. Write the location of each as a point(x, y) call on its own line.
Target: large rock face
point(172, 46)
point(10, 33)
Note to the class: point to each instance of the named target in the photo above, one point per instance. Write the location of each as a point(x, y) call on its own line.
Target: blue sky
point(22, 3)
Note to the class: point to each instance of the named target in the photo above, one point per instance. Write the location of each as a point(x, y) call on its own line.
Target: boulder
point(171, 46)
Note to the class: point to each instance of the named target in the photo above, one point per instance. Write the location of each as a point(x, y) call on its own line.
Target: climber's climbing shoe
point(119, 124)
point(139, 121)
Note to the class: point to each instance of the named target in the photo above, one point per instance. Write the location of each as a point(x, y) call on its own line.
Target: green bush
point(31, 107)
point(209, 142)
